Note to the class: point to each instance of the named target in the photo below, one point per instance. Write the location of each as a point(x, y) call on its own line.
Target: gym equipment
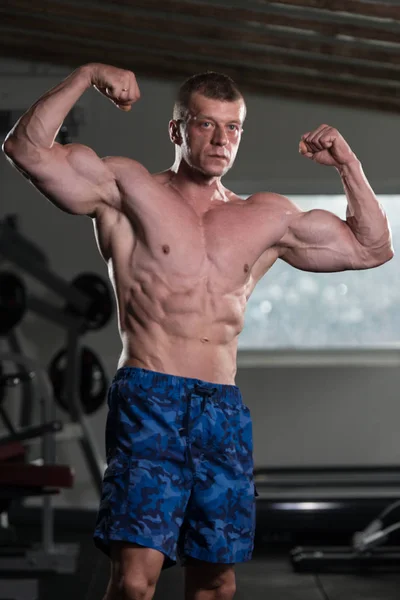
point(326, 477)
point(309, 489)
point(93, 383)
point(86, 309)
point(19, 251)
point(26, 406)
point(36, 476)
point(12, 301)
point(362, 554)
point(341, 559)
point(21, 565)
point(40, 386)
point(25, 433)
point(100, 309)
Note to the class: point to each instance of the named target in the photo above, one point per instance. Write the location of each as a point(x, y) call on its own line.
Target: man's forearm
point(39, 126)
point(365, 215)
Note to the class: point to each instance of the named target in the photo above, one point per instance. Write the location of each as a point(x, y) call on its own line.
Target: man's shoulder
point(122, 165)
point(271, 201)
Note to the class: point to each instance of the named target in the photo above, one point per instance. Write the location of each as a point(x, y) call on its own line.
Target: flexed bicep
point(72, 177)
point(320, 241)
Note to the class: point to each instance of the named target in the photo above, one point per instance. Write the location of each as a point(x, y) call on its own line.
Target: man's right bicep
point(72, 177)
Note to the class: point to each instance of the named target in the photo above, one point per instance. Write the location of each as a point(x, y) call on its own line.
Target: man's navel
point(166, 249)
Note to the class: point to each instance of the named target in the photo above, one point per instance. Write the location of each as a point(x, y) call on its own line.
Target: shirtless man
point(184, 254)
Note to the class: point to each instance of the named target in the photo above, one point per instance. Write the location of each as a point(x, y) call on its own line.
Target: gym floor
point(269, 576)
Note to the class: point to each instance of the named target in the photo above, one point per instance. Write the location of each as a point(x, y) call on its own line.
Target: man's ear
point(175, 134)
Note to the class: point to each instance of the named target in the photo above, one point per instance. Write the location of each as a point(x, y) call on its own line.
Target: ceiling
point(336, 51)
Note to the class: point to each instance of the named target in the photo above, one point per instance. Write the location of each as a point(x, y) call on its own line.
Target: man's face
point(211, 134)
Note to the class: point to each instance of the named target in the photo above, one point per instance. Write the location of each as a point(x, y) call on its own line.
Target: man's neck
point(195, 187)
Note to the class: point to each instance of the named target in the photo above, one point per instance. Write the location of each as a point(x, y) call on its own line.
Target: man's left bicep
point(320, 241)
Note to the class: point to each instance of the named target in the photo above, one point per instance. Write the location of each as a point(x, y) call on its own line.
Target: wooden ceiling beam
point(367, 8)
point(54, 33)
point(206, 12)
point(256, 80)
point(247, 11)
point(86, 26)
point(273, 17)
point(252, 55)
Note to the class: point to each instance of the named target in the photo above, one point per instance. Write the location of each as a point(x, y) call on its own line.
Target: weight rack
point(25, 255)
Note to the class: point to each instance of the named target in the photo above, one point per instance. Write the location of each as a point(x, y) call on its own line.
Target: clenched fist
point(119, 85)
point(326, 146)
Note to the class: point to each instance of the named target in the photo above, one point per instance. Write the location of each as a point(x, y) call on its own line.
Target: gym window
point(297, 310)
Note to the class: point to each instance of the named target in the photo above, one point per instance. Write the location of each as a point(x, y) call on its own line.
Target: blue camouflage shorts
point(179, 474)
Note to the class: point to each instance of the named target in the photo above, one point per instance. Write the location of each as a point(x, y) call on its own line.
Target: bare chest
point(228, 238)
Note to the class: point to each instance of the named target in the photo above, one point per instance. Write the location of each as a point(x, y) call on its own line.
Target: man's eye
point(232, 127)
point(205, 124)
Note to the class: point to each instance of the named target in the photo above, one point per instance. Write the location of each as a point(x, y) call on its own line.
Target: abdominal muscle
point(185, 326)
point(157, 351)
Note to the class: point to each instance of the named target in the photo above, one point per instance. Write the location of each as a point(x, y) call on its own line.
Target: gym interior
point(319, 357)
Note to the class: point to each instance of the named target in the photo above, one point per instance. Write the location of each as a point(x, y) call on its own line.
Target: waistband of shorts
point(147, 378)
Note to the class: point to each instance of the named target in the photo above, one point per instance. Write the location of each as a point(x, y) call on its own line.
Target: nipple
point(204, 339)
point(165, 249)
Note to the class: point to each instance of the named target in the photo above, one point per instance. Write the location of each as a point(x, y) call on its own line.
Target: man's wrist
point(85, 73)
point(353, 166)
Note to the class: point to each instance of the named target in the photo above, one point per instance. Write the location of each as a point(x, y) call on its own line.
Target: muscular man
point(184, 254)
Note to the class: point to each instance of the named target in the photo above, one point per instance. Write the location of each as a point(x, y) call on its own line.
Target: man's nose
point(220, 138)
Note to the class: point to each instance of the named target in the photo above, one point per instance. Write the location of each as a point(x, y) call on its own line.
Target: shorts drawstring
point(205, 393)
